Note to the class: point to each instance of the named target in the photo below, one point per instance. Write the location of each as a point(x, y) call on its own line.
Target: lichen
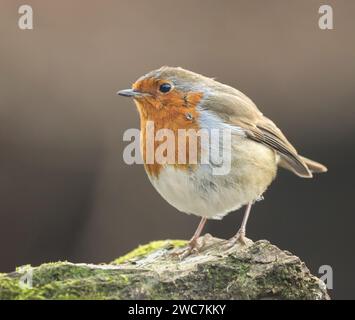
point(146, 249)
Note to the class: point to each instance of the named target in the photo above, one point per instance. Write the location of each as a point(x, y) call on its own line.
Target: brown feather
point(239, 110)
point(314, 166)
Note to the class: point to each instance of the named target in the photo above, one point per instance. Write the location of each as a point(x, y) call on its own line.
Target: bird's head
point(169, 91)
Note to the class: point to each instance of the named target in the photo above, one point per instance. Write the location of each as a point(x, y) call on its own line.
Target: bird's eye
point(165, 87)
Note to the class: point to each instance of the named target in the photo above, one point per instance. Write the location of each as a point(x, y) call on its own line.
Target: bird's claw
point(193, 247)
point(238, 238)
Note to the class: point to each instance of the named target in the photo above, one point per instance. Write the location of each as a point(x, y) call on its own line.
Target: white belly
point(200, 192)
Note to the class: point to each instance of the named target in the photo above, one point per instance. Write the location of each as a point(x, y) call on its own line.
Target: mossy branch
point(257, 270)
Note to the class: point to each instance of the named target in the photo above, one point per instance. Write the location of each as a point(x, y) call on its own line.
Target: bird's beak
point(130, 93)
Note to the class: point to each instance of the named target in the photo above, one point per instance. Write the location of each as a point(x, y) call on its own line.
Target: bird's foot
point(195, 245)
point(239, 238)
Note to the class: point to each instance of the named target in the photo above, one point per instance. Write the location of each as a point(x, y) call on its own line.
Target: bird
point(174, 98)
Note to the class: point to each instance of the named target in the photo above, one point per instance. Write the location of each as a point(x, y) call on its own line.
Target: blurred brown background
point(65, 192)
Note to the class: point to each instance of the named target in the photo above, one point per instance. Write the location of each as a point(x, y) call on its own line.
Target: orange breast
point(177, 112)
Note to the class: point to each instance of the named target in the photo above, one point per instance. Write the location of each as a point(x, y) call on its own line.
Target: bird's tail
point(314, 166)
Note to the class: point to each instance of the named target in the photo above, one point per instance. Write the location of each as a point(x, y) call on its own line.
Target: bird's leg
point(193, 241)
point(240, 235)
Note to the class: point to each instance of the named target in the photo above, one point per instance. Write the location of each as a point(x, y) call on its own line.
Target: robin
point(175, 98)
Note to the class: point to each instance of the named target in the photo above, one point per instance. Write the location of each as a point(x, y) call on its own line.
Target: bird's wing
point(240, 111)
point(266, 132)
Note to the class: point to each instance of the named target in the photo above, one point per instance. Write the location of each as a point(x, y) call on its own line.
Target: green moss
point(10, 289)
point(219, 276)
point(143, 250)
point(64, 280)
point(287, 282)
